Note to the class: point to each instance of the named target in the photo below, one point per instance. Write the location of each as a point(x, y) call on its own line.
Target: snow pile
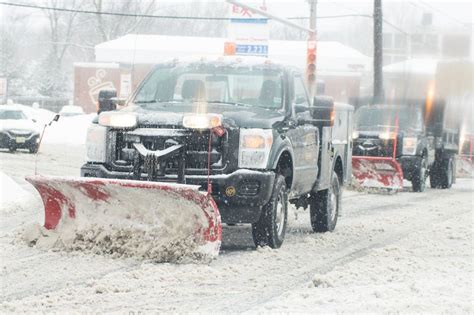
point(68, 130)
point(13, 197)
point(41, 115)
point(145, 224)
point(132, 242)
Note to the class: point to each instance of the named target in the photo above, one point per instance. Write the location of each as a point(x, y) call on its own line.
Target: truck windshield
point(375, 118)
point(187, 85)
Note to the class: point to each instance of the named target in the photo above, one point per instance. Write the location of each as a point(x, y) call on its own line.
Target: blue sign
point(260, 50)
point(249, 21)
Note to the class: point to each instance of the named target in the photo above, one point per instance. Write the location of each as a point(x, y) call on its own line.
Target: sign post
point(248, 32)
point(241, 11)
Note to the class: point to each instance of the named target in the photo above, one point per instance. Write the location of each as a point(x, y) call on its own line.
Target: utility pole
point(311, 51)
point(312, 14)
point(378, 52)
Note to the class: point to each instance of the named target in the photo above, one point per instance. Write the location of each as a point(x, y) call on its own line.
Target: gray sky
point(447, 14)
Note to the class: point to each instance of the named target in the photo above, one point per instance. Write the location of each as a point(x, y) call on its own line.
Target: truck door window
point(301, 97)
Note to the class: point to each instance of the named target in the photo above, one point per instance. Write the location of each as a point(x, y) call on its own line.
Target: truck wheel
point(447, 174)
point(324, 207)
point(419, 177)
point(12, 149)
point(434, 175)
point(270, 229)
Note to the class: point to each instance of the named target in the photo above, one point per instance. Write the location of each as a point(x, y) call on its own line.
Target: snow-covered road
point(409, 252)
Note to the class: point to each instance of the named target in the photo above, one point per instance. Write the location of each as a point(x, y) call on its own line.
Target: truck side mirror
point(106, 101)
point(322, 111)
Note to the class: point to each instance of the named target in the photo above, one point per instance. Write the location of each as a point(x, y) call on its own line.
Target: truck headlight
point(96, 143)
point(355, 134)
point(118, 119)
point(202, 121)
point(387, 135)
point(409, 146)
point(254, 148)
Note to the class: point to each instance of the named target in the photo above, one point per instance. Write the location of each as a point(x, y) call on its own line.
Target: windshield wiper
point(145, 102)
point(230, 103)
point(157, 102)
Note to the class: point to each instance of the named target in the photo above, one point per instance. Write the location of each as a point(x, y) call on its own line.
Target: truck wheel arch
point(284, 166)
point(339, 169)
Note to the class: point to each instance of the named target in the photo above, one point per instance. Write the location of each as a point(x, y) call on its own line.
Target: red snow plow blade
point(152, 217)
point(464, 166)
point(377, 172)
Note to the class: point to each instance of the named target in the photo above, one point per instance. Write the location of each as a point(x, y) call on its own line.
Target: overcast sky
point(450, 14)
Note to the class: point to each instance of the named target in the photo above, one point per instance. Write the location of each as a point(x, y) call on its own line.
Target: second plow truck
point(405, 139)
point(205, 140)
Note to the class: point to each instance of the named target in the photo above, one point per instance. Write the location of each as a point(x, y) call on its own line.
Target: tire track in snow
point(358, 249)
point(337, 256)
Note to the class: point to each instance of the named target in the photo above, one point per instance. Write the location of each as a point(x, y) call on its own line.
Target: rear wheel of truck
point(447, 174)
point(442, 174)
point(12, 149)
point(270, 229)
point(324, 206)
point(419, 177)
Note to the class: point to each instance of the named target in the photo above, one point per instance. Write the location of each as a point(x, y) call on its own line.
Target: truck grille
point(196, 146)
point(368, 146)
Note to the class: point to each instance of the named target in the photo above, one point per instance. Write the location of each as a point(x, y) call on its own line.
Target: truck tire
point(419, 177)
point(447, 174)
point(12, 148)
point(324, 207)
point(270, 229)
point(434, 175)
point(442, 174)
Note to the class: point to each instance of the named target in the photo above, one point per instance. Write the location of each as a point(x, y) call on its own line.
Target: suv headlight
point(254, 147)
point(96, 143)
point(409, 146)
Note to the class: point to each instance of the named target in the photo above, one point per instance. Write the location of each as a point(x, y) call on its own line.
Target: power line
point(353, 15)
point(170, 17)
point(429, 6)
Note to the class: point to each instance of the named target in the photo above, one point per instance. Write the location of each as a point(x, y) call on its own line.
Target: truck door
point(305, 140)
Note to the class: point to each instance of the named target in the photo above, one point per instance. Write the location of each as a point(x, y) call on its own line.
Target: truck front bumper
point(239, 195)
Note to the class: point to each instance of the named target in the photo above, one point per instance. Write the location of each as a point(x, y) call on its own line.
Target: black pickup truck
point(424, 141)
point(269, 143)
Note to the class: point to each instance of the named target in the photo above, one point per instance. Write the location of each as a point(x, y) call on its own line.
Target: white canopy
point(422, 66)
point(332, 57)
